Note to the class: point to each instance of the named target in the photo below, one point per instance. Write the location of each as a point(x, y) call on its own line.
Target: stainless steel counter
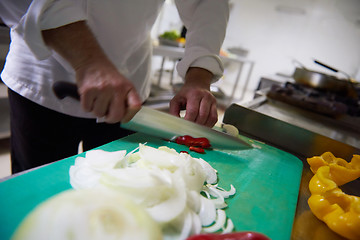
point(305, 135)
point(293, 129)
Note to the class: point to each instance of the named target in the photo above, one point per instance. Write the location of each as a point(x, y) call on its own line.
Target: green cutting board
point(266, 179)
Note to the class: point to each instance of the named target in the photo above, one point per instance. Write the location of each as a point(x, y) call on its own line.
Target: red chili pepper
point(196, 149)
point(184, 152)
point(230, 236)
point(195, 142)
point(201, 142)
point(184, 140)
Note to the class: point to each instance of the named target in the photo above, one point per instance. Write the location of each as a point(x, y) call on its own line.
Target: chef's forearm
point(75, 43)
point(199, 77)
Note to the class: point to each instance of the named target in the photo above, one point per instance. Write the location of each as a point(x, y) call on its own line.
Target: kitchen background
point(274, 35)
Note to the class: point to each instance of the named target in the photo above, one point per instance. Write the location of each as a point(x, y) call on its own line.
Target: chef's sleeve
point(206, 22)
point(48, 14)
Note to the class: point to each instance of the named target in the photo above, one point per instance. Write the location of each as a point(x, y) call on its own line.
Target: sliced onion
point(163, 159)
point(166, 183)
point(193, 201)
point(182, 165)
point(83, 177)
point(211, 174)
point(88, 214)
point(207, 212)
point(219, 223)
point(143, 185)
point(87, 171)
point(197, 225)
point(192, 173)
point(126, 161)
point(229, 227)
point(100, 159)
point(218, 199)
point(225, 193)
point(186, 226)
point(171, 207)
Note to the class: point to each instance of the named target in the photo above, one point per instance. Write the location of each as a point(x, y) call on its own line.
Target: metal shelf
point(4, 118)
point(4, 34)
point(3, 91)
point(4, 102)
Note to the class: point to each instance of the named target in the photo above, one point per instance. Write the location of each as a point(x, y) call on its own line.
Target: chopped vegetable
point(340, 212)
point(341, 171)
point(166, 183)
point(184, 140)
point(197, 149)
point(88, 214)
point(193, 142)
point(170, 35)
point(230, 129)
point(219, 222)
point(148, 194)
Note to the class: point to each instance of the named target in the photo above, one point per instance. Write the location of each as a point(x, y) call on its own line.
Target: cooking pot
point(324, 81)
point(320, 80)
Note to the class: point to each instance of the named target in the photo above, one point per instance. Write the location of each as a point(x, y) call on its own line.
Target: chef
point(105, 48)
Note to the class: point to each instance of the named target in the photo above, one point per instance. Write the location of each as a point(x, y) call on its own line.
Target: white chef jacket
point(122, 29)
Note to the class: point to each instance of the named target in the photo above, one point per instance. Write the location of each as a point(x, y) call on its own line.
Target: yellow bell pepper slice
point(340, 212)
point(341, 171)
point(321, 182)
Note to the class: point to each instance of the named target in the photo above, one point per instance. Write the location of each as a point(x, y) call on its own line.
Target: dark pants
point(40, 135)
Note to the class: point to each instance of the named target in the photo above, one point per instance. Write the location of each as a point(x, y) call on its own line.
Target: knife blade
point(163, 125)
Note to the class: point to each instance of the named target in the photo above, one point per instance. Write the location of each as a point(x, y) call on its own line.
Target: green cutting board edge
point(266, 179)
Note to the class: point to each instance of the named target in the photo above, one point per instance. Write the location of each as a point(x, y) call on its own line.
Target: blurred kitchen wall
point(275, 32)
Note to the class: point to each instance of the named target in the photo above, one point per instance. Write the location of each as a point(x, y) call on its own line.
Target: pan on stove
point(323, 81)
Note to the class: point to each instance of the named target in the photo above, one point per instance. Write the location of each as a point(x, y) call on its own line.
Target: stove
point(332, 104)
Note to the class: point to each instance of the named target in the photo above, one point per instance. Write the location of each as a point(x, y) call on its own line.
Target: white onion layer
point(90, 214)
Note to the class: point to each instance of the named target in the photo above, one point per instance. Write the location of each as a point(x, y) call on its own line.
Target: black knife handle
point(66, 89)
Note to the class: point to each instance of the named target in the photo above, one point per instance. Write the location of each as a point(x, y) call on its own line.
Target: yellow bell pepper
point(341, 171)
point(321, 182)
point(340, 212)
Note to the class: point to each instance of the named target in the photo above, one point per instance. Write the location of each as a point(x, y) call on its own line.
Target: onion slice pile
point(178, 192)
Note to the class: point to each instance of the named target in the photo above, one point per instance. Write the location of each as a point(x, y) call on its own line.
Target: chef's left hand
point(196, 98)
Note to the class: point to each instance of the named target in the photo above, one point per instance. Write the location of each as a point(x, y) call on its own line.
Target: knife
point(163, 125)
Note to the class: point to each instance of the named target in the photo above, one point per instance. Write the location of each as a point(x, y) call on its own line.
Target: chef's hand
point(107, 93)
point(196, 98)
point(103, 90)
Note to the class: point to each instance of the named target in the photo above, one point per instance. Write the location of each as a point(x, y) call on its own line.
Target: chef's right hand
point(105, 92)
